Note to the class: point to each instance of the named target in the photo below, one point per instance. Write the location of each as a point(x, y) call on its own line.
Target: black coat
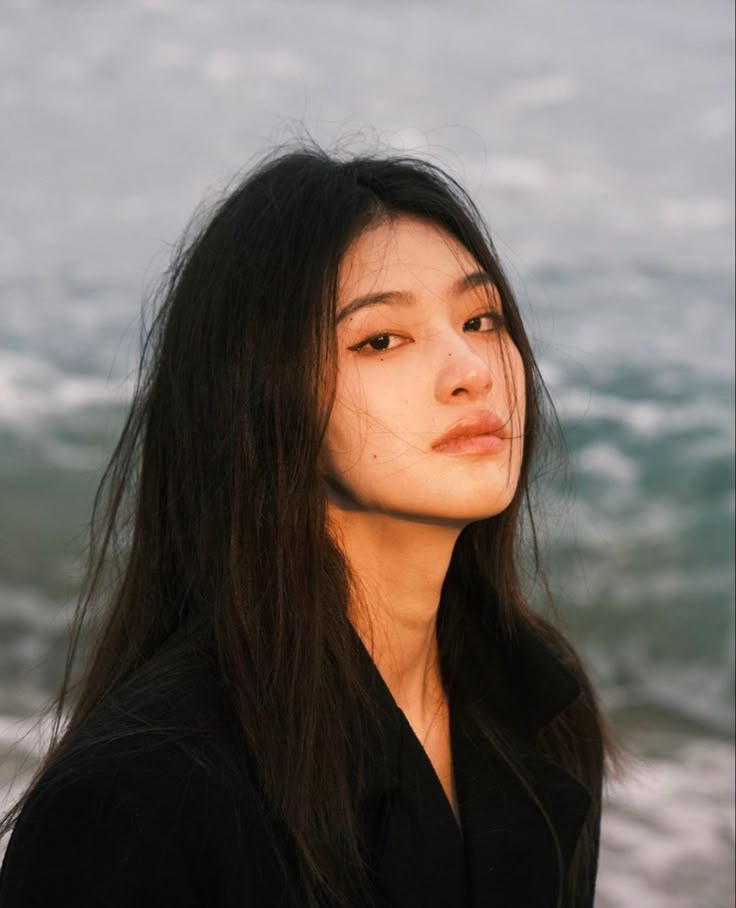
point(176, 819)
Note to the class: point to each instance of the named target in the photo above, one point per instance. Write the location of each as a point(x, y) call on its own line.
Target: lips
point(482, 422)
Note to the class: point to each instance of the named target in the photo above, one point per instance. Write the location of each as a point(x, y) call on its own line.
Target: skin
point(395, 504)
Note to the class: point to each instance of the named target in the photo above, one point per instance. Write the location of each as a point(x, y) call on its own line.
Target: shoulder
point(167, 744)
point(83, 839)
point(155, 800)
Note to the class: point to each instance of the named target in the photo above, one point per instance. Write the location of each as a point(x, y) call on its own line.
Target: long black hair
point(210, 521)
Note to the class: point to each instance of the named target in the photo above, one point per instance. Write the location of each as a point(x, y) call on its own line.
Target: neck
point(398, 569)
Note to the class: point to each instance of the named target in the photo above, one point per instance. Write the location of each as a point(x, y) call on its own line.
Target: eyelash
point(498, 321)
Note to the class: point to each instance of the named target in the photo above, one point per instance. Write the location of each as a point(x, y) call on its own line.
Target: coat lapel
point(505, 854)
point(413, 842)
point(511, 856)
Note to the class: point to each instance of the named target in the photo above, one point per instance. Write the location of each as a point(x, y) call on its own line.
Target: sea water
point(598, 142)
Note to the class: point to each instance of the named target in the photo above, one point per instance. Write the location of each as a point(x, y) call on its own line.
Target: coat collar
point(504, 852)
point(523, 686)
point(520, 682)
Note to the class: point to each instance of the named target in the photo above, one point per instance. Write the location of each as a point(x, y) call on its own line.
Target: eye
point(378, 343)
point(493, 320)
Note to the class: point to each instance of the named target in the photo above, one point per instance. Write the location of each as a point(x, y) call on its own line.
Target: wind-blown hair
point(209, 528)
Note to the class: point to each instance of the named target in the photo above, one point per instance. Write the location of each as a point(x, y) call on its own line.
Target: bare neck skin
point(401, 566)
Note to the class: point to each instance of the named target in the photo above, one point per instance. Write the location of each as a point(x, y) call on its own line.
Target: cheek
point(509, 375)
point(362, 408)
point(520, 394)
point(346, 429)
point(342, 438)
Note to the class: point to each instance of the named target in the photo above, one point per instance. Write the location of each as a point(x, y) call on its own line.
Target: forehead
point(403, 253)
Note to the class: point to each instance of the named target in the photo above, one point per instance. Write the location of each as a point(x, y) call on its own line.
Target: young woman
point(316, 680)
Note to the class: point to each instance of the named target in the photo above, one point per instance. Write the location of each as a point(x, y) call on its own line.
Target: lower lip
point(473, 444)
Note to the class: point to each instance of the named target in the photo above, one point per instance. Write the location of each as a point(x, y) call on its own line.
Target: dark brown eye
point(380, 342)
point(475, 324)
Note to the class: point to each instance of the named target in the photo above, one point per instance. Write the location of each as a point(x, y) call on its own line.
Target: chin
point(461, 513)
point(486, 514)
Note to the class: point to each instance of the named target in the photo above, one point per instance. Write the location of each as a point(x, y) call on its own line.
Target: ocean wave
point(668, 829)
point(32, 389)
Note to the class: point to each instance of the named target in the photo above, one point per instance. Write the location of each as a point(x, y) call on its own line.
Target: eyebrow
point(407, 298)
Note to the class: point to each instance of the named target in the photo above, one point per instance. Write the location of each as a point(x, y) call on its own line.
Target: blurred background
point(598, 140)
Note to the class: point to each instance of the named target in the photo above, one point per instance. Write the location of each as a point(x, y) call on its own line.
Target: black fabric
point(174, 817)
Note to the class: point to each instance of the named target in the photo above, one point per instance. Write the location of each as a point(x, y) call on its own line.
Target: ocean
point(597, 140)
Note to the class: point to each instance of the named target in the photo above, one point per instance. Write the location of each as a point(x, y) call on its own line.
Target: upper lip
point(482, 422)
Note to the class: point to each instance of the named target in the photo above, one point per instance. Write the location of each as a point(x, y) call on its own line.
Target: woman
point(316, 680)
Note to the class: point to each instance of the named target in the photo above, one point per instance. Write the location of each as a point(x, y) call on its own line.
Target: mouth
point(482, 430)
point(486, 443)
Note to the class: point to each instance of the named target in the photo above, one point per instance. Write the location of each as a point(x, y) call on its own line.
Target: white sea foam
point(32, 388)
point(647, 418)
point(609, 462)
point(668, 832)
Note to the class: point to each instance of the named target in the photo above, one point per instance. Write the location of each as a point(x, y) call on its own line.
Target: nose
point(463, 371)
